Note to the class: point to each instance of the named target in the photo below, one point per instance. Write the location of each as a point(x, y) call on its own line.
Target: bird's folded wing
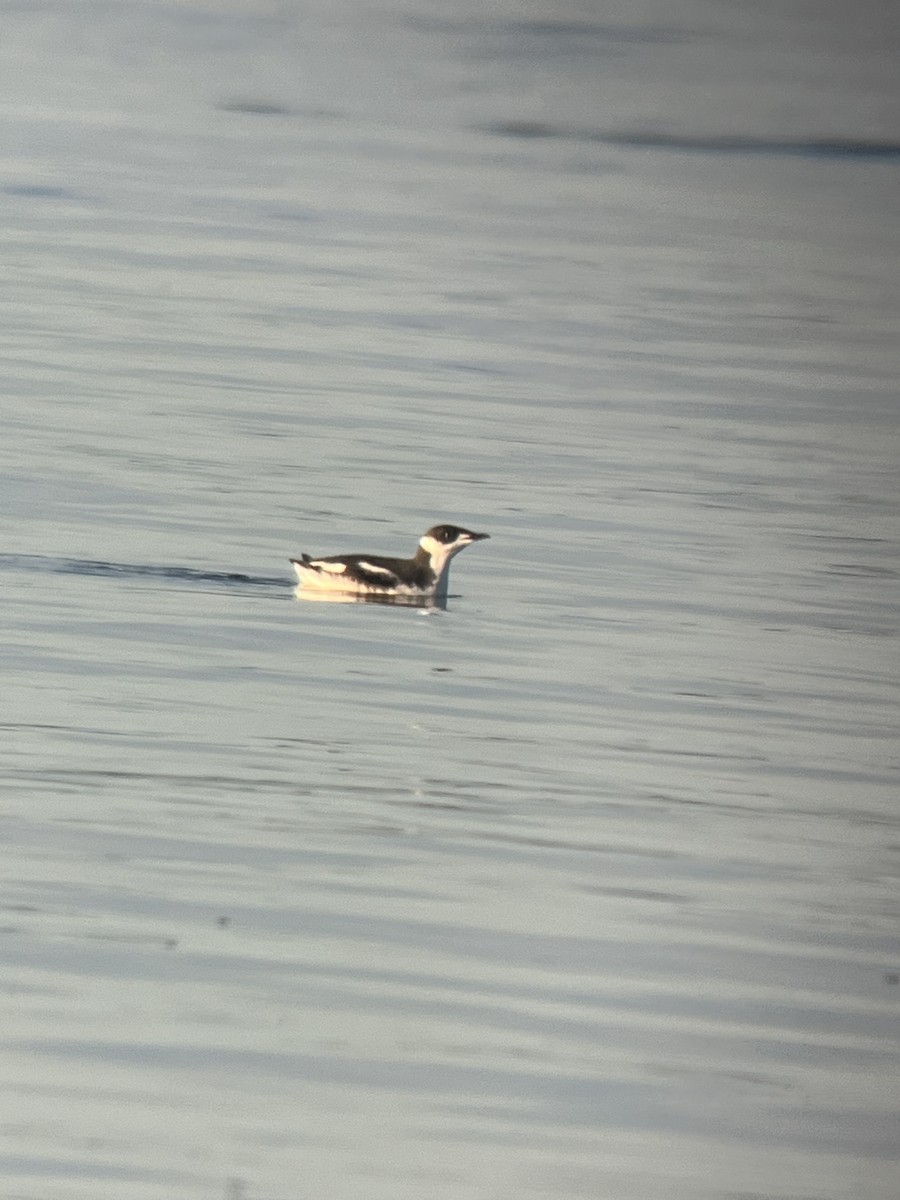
point(379, 575)
point(325, 564)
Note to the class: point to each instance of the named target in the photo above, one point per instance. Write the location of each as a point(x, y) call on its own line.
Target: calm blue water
point(586, 887)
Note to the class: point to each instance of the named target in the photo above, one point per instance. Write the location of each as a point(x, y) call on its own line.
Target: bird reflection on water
point(428, 603)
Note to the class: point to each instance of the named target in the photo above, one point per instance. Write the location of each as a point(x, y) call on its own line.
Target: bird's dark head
point(449, 535)
point(442, 542)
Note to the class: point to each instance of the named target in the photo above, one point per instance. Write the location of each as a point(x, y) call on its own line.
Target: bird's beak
point(479, 537)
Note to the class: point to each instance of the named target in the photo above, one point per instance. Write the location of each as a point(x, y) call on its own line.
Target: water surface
point(585, 886)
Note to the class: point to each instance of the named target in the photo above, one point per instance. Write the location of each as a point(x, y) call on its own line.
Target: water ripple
point(87, 566)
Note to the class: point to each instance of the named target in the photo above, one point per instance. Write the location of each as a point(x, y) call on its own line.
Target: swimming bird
point(425, 574)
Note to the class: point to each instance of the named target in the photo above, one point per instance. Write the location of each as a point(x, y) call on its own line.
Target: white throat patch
point(440, 559)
